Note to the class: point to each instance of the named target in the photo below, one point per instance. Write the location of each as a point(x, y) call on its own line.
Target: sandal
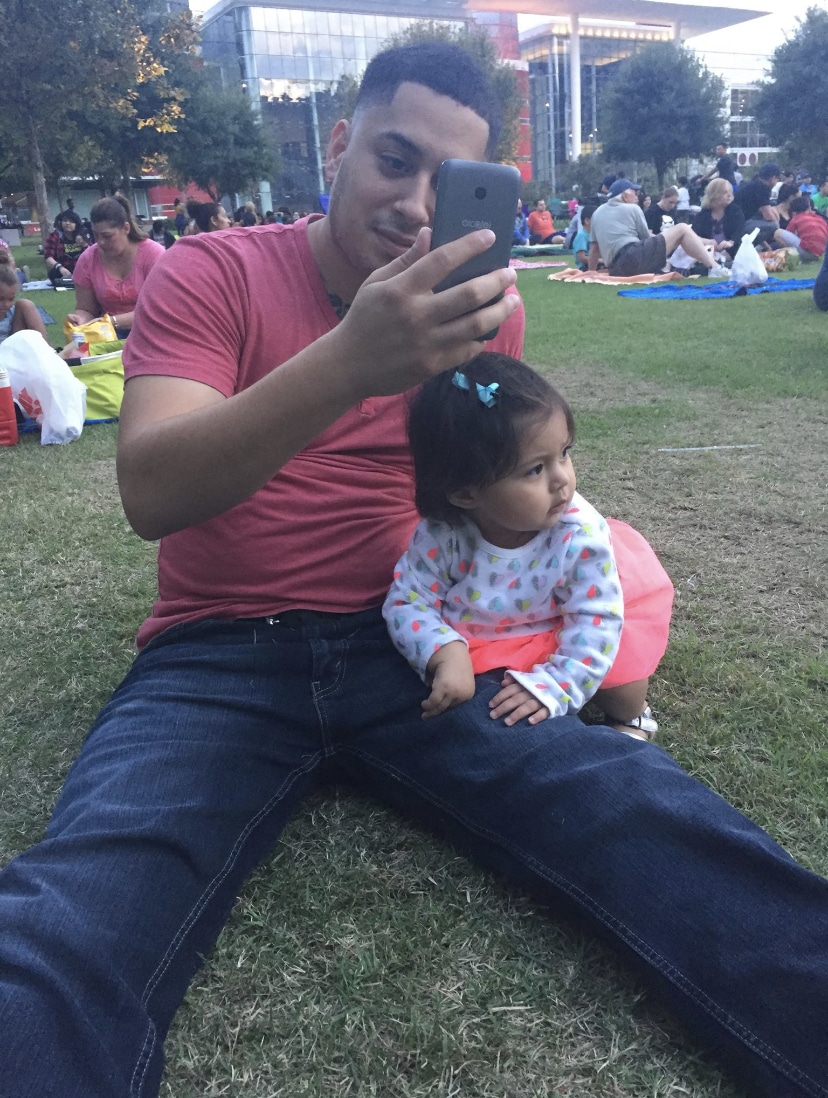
point(642, 727)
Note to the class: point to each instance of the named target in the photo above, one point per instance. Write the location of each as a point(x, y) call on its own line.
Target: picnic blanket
point(44, 316)
point(601, 278)
point(715, 290)
point(39, 284)
point(522, 265)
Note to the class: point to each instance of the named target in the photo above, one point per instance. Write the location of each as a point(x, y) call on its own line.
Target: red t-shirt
point(325, 532)
point(812, 231)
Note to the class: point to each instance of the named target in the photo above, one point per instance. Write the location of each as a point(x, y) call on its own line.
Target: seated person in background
point(755, 199)
point(787, 192)
point(63, 248)
point(806, 187)
point(15, 315)
point(720, 218)
point(580, 242)
point(820, 199)
point(541, 226)
point(621, 238)
point(207, 217)
point(644, 201)
point(520, 236)
point(806, 231)
point(109, 275)
point(660, 214)
point(161, 234)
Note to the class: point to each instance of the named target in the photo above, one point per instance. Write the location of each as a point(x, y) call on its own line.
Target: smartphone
point(474, 195)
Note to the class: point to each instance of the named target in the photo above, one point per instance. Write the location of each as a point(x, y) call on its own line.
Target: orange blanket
point(572, 274)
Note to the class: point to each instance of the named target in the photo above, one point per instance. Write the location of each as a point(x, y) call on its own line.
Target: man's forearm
point(594, 257)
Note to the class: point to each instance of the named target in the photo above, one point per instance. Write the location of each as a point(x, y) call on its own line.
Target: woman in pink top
point(108, 276)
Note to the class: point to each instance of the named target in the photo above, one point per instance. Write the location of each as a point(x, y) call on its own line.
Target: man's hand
point(594, 257)
point(398, 332)
point(514, 702)
point(450, 674)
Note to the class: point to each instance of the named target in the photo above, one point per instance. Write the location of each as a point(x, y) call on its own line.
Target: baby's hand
point(514, 702)
point(451, 678)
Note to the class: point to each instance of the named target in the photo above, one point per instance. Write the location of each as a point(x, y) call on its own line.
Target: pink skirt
point(648, 605)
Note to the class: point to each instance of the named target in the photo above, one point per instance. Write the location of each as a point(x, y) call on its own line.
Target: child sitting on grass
point(580, 242)
point(511, 570)
point(15, 315)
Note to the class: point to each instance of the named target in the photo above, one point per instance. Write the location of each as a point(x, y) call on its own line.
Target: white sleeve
point(413, 606)
point(591, 605)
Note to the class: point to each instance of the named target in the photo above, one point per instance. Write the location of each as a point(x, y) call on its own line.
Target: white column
point(575, 84)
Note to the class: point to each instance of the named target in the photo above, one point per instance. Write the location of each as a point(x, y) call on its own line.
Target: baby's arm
point(590, 603)
point(413, 614)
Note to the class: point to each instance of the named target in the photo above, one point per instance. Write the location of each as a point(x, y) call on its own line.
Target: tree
point(663, 104)
point(478, 43)
point(220, 144)
point(60, 61)
point(799, 77)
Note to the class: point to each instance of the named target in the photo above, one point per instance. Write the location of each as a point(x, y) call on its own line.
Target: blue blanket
point(673, 291)
point(44, 316)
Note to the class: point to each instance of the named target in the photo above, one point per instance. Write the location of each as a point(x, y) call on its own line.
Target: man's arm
point(187, 453)
point(769, 213)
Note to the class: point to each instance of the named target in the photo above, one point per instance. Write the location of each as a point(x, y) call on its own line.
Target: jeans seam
point(198, 907)
point(320, 694)
point(771, 1055)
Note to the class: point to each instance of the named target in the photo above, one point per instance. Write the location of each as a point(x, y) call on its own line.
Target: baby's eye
point(567, 453)
point(536, 470)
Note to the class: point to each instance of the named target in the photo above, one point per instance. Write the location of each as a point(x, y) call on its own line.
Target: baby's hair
point(458, 442)
point(8, 273)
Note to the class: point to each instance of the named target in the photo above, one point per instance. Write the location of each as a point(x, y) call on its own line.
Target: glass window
point(257, 18)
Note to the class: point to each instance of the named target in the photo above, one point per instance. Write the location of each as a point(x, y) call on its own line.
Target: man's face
point(384, 168)
point(721, 150)
point(629, 195)
point(540, 205)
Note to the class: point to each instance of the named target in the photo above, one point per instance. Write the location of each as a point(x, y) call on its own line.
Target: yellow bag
point(104, 381)
point(98, 330)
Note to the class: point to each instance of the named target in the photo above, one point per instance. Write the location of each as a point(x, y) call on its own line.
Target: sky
point(738, 54)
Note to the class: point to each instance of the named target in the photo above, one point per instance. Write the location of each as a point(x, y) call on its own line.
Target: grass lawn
point(364, 958)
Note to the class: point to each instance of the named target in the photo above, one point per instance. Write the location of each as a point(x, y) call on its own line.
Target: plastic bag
point(44, 386)
point(99, 330)
point(748, 269)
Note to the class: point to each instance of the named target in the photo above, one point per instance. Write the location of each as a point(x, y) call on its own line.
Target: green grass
point(364, 958)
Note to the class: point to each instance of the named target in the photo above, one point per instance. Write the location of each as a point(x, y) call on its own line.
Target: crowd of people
point(275, 452)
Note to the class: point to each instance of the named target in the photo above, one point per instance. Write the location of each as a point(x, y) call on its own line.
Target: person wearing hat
point(619, 235)
point(755, 199)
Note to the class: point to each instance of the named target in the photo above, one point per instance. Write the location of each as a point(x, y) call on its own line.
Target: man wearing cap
point(755, 199)
point(619, 235)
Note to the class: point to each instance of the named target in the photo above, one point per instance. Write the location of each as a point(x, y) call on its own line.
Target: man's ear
point(466, 498)
point(337, 144)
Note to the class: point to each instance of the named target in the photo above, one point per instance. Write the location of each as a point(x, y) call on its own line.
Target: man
point(267, 448)
point(541, 226)
point(621, 238)
point(755, 199)
point(660, 214)
point(723, 168)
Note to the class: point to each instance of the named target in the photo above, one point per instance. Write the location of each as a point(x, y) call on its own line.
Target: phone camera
point(480, 192)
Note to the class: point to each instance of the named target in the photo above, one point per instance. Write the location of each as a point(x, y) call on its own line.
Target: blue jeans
point(206, 749)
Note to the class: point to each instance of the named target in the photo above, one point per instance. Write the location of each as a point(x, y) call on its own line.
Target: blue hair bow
point(486, 394)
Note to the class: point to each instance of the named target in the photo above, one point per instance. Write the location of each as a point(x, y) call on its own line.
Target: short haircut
point(457, 442)
point(670, 192)
point(800, 204)
point(444, 68)
point(587, 212)
point(768, 171)
point(116, 211)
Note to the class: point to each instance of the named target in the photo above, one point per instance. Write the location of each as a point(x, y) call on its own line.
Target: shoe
point(642, 727)
point(719, 271)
